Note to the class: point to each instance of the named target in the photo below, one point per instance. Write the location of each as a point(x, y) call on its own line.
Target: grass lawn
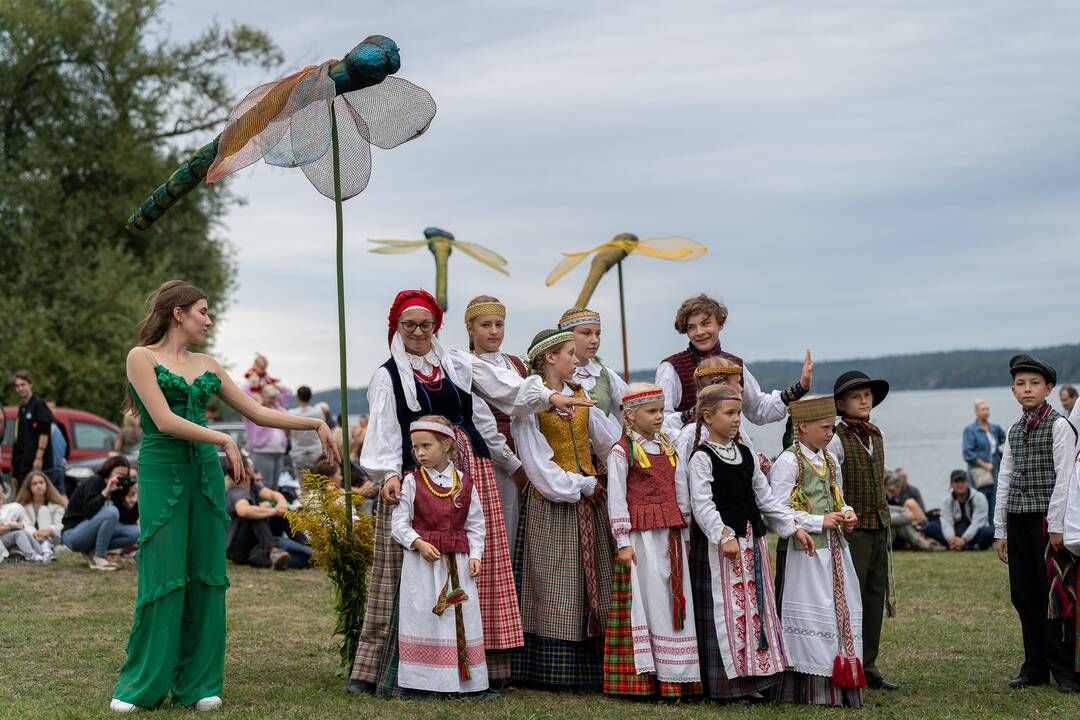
point(63, 628)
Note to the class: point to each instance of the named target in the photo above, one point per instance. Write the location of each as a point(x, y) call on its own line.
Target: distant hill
point(921, 371)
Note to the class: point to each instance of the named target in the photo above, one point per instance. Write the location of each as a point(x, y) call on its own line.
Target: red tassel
point(848, 673)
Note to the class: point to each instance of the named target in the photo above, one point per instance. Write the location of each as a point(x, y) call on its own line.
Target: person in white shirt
point(603, 384)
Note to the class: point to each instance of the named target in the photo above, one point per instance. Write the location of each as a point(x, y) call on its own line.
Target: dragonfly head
point(625, 241)
point(366, 64)
point(433, 232)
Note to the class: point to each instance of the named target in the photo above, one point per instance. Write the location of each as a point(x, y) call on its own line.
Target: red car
point(89, 435)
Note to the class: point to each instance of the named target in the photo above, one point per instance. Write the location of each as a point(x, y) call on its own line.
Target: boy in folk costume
point(563, 559)
point(701, 319)
point(485, 320)
point(820, 607)
point(860, 448)
point(1029, 521)
point(440, 524)
point(739, 640)
point(650, 638)
point(603, 384)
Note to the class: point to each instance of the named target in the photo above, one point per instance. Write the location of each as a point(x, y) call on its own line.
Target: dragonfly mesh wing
point(355, 156)
point(395, 110)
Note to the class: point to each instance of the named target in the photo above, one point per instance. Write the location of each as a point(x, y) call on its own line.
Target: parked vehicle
point(89, 436)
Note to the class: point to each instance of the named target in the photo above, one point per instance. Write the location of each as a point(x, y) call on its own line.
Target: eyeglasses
point(410, 327)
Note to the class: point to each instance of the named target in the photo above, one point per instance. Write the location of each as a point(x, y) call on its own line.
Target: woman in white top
point(44, 507)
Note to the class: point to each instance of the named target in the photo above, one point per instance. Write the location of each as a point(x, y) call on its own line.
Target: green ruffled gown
point(177, 640)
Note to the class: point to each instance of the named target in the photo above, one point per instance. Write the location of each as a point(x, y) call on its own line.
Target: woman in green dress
point(177, 640)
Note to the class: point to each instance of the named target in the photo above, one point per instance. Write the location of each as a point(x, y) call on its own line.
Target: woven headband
point(642, 398)
point(720, 397)
point(582, 317)
point(484, 308)
point(717, 370)
point(415, 306)
point(432, 427)
point(815, 408)
point(547, 342)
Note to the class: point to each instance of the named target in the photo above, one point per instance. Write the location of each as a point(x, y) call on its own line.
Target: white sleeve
point(682, 495)
point(1074, 420)
point(57, 522)
point(618, 512)
point(785, 470)
point(501, 454)
point(777, 516)
point(758, 407)
point(1064, 458)
point(668, 379)
point(381, 454)
point(401, 520)
point(504, 389)
point(474, 526)
point(603, 432)
point(547, 478)
point(618, 389)
point(1001, 501)
point(836, 447)
point(707, 517)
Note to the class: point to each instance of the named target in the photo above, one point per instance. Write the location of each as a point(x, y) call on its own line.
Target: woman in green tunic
point(177, 640)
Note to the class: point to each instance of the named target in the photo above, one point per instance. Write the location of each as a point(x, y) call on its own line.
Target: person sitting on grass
point(45, 507)
point(99, 514)
point(906, 514)
point(14, 536)
point(249, 539)
point(965, 517)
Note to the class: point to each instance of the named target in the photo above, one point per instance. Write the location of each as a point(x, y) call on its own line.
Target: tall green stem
point(346, 466)
point(622, 315)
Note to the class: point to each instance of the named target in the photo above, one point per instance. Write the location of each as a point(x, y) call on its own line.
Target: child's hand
point(474, 568)
point(831, 521)
point(427, 551)
point(627, 556)
point(731, 549)
point(850, 520)
point(806, 378)
point(1002, 547)
point(806, 541)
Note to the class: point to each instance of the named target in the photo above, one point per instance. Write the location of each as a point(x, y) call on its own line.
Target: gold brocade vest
point(569, 438)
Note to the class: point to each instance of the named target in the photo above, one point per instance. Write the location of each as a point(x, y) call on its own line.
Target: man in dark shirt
point(32, 448)
point(249, 539)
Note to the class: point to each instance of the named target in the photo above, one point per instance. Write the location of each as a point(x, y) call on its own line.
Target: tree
point(96, 110)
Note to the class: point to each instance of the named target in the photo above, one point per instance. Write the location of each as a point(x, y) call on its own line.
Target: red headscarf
point(404, 299)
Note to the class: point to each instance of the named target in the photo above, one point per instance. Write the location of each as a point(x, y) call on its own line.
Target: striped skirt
point(382, 599)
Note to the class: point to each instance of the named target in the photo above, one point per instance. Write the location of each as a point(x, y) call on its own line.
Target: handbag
point(982, 477)
point(1072, 513)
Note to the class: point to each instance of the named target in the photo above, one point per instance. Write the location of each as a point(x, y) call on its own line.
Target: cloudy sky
point(869, 178)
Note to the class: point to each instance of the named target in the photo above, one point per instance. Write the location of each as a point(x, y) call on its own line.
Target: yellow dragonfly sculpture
point(611, 254)
point(441, 243)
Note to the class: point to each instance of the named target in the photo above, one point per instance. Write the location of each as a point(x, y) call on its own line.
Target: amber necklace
point(431, 486)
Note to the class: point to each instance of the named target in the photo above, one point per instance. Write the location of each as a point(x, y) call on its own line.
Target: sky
point(869, 178)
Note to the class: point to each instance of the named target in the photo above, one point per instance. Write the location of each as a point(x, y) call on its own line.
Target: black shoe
point(360, 687)
point(1069, 686)
point(881, 684)
point(1022, 681)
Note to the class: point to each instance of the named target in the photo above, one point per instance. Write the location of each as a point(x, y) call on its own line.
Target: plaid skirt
point(382, 598)
point(716, 683)
point(620, 671)
point(546, 660)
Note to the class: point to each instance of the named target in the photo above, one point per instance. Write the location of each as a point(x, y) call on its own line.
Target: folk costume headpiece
point(484, 308)
point(725, 367)
point(547, 342)
point(1026, 363)
point(853, 379)
point(578, 316)
point(413, 300)
point(822, 407)
point(431, 426)
point(643, 398)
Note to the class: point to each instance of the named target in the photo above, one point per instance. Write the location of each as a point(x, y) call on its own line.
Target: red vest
point(502, 420)
point(436, 520)
point(650, 493)
point(685, 363)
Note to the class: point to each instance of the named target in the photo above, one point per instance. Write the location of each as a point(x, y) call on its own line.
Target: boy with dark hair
point(32, 447)
point(1029, 519)
point(860, 448)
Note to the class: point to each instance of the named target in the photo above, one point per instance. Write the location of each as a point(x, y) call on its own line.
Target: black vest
point(449, 400)
point(733, 492)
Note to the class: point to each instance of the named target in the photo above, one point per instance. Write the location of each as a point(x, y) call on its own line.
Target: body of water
point(923, 431)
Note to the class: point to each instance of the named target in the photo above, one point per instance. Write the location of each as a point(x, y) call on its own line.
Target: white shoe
point(122, 707)
point(210, 703)
point(39, 558)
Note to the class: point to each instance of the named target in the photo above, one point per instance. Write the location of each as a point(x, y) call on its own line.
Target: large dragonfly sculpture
point(441, 243)
point(611, 254)
point(322, 119)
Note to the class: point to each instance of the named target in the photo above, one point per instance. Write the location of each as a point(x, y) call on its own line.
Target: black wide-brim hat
point(855, 379)
point(1026, 363)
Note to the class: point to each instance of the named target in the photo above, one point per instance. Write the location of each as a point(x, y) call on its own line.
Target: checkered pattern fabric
point(381, 605)
point(1034, 474)
point(864, 479)
point(620, 672)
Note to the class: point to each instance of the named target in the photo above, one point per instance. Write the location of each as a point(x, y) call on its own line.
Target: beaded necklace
point(723, 450)
point(431, 486)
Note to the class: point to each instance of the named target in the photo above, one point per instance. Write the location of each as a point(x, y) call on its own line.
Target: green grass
point(62, 630)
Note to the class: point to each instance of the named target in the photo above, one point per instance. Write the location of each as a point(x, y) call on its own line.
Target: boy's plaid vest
point(1034, 474)
point(864, 480)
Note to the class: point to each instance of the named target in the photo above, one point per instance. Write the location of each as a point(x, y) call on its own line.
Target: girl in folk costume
point(423, 378)
point(440, 524)
point(683, 426)
point(485, 319)
point(820, 604)
point(650, 647)
point(739, 639)
point(603, 384)
point(701, 319)
point(564, 547)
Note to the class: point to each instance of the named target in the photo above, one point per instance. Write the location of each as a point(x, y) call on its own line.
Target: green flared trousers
point(177, 640)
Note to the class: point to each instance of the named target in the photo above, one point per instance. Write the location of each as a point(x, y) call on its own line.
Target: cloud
point(869, 178)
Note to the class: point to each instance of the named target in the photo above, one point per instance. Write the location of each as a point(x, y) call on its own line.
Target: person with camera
point(100, 516)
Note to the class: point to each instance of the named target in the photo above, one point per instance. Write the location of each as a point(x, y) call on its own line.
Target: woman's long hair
point(158, 319)
point(52, 495)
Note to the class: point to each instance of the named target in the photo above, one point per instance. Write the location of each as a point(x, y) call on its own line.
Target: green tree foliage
point(96, 110)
